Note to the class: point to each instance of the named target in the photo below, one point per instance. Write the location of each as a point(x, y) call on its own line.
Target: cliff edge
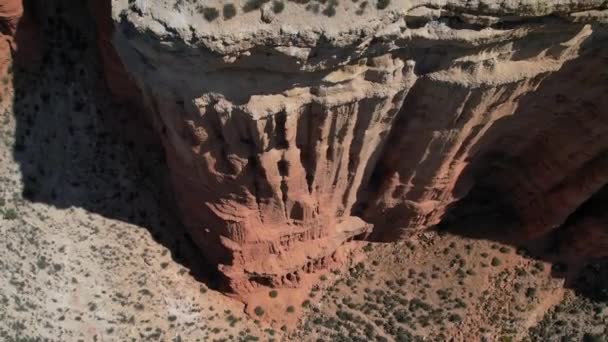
point(293, 129)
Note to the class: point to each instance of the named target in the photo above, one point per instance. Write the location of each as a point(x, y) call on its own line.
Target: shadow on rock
point(77, 148)
point(539, 179)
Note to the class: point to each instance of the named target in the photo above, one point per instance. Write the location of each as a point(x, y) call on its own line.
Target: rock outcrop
point(18, 36)
point(288, 138)
point(10, 14)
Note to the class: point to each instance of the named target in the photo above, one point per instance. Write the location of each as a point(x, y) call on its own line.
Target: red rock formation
point(536, 148)
point(10, 14)
point(20, 34)
point(285, 144)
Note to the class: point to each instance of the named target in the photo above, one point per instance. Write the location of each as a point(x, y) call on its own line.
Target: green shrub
point(42, 263)
point(362, 7)
point(253, 5)
point(495, 262)
point(258, 311)
point(210, 13)
point(291, 309)
point(229, 11)
point(10, 214)
point(278, 6)
point(592, 338)
point(530, 292)
point(455, 318)
point(382, 4)
point(273, 294)
point(330, 10)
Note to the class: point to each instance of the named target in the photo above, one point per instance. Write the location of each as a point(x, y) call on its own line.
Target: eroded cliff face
point(289, 138)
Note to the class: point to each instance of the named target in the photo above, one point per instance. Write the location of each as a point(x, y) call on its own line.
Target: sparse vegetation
point(209, 13)
point(330, 8)
point(495, 262)
point(252, 5)
point(10, 214)
point(258, 311)
point(278, 6)
point(229, 11)
point(382, 4)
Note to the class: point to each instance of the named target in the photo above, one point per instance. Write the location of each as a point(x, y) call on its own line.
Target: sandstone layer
point(289, 135)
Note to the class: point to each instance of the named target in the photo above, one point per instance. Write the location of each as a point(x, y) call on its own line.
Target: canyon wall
point(18, 37)
point(290, 134)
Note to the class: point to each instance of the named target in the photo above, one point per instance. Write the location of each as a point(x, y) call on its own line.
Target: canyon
point(288, 140)
point(293, 138)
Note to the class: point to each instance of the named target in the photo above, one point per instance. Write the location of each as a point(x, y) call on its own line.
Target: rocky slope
point(290, 134)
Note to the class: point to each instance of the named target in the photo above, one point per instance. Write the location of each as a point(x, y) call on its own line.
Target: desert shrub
point(10, 214)
point(495, 262)
point(592, 338)
point(229, 11)
point(530, 292)
point(253, 5)
point(210, 13)
point(362, 7)
point(273, 294)
point(330, 10)
point(382, 4)
point(258, 311)
point(454, 318)
point(278, 6)
point(291, 309)
point(42, 263)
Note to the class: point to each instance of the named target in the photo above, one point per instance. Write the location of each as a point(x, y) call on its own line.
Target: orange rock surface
point(285, 143)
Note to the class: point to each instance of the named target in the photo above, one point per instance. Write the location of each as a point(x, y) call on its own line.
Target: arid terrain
point(150, 200)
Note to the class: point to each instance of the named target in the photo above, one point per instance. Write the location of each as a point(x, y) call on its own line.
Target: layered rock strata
point(288, 138)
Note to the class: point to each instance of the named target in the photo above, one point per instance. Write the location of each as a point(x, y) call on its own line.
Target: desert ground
point(91, 249)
